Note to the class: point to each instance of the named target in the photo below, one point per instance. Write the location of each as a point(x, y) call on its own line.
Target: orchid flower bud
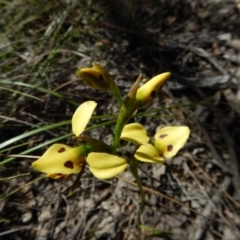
point(147, 92)
point(98, 77)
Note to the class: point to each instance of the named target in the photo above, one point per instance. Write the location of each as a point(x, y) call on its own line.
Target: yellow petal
point(148, 153)
point(82, 116)
point(60, 160)
point(135, 133)
point(169, 140)
point(105, 166)
point(147, 92)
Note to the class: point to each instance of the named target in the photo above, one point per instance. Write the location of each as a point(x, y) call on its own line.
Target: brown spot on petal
point(100, 77)
point(169, 148)
point(163, 135)
point(69, 164)
point(153, 94)
point(61, 150)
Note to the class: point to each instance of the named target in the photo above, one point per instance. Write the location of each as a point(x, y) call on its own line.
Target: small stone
point(26, 217)
point(224, 37)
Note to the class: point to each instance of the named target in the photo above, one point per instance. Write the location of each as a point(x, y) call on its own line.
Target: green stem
point(77, 179)
point(134, 171)
point(116, 140)
point(118, 129)
point(128, 108)
point(119, 99)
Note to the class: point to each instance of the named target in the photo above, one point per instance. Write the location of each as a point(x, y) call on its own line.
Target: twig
point(202, 223)
point(167, 197)
point(232, 153)
point(227, 195)
point(210, 202)
point(219, 161)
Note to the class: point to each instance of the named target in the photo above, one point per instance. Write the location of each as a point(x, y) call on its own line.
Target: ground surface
point(42, 44)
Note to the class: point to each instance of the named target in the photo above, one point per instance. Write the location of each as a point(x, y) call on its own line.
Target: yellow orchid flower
point(104, 165)
point(167, 141)
point(82, 116)
point(147, 92)
point(93, 78)
point(60, 160)
point(98, 77)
